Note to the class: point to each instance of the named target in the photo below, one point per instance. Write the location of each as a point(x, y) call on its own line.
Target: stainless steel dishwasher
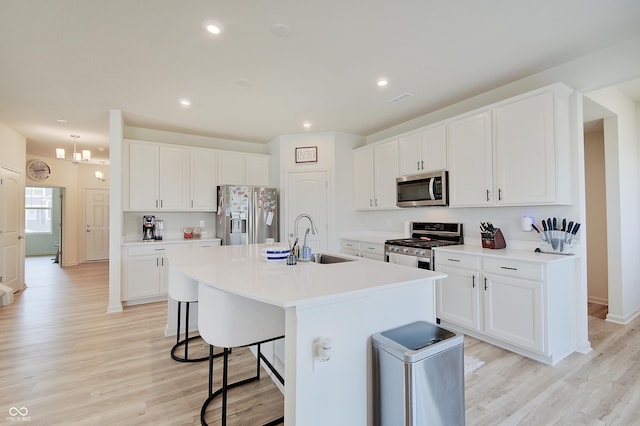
point(418, 376)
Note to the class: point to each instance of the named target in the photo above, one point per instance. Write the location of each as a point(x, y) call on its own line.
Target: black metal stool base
point(186, 350)
point(226, 386)
point(185, 343)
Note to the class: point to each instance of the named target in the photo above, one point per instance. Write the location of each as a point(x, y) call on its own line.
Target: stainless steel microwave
point(426, 189)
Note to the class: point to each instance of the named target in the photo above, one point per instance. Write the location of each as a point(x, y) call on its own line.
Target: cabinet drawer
point(136, 250)
point(457, 260)
point(350, 245)
point(514, 268)
point(372, 248)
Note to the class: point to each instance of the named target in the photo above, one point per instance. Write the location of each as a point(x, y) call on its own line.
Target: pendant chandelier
point(100, 173)
point(77, 157)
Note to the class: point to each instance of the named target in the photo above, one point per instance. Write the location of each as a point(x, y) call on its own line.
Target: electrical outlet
point(321, 353)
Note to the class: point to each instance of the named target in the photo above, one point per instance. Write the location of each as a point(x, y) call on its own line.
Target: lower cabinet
point(146, 274)
point(364, 249)
point(146, 270)
point(523, 306)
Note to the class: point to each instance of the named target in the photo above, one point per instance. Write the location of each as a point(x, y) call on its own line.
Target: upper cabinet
point(237, 168)
point(181, 178)
point(423, 151)
point(158, 177)
point(512, 154)
point(375, 169)
point(203, 179)
point(470, 161)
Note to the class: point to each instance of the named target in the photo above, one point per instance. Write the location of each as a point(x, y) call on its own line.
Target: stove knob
point(405, 250)
point(421, 252)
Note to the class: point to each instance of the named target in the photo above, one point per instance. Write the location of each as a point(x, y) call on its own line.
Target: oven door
point(411, 261)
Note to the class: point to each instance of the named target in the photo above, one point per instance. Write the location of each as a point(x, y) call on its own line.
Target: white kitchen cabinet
point(158, 177)
point(423, 151)
point(375, 169)
point(512, 153)
point(257, 170)
point(525, 151)
point(146, 270)
point(513, 310)
point(366, 249)
point(470, 158)
point(237, 168)
point(203, 179)
point(521, 302)
point(458, 297)
point(145, 274)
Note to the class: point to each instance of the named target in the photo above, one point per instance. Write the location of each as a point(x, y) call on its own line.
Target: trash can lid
point(418, 335)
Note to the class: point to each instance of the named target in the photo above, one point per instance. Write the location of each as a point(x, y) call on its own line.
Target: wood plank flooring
point(68, 362)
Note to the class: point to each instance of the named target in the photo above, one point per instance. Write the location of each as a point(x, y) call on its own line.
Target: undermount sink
point(328, 258)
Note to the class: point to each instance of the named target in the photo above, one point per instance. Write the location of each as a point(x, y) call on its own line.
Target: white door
point(307, 192)
point(97, 227)
point(11, 229)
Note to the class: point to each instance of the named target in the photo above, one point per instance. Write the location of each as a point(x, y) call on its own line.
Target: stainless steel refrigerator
point(247, 214)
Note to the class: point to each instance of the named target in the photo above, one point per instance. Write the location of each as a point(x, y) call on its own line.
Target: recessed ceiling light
point(212, 26)
point(185, 102)
point(382, 82)
point(60, 120)
point(306, 124)
point(243, 82)
point(281, 30)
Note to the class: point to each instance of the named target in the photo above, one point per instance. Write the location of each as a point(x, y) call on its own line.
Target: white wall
point(14, 148)
point(623, 203)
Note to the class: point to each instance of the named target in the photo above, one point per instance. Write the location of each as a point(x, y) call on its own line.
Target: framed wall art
point(307, 154)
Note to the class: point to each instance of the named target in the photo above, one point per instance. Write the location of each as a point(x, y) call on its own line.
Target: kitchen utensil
point(564, 224)
point(570, 226)
point(544, 225)
point(555, 224)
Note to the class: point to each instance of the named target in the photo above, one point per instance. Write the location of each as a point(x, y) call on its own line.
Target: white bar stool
point(183, 289)
point(230, 321)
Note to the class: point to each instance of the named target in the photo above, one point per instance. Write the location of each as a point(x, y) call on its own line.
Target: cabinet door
point(257, 170)
point(163, 275)
point(174, 178)
point(513, 310)
point(525, 151)
point(434, 149)
point(385, 173)
point(410, 154)
point(143, 177)
point(203, 179)
point(458, 297)
point(469, 154)
point(143, 278)
point(363, 189)
point(231, 168)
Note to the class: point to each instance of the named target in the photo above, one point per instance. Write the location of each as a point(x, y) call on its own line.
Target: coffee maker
point(148, 227)
point(157, 229)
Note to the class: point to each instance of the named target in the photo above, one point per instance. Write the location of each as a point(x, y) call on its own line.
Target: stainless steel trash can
point(418, 376)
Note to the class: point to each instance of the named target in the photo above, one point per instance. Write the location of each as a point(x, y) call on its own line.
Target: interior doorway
point(44, 212)
point(596, 213)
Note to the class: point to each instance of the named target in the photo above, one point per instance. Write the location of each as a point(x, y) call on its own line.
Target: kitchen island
point(346, 302)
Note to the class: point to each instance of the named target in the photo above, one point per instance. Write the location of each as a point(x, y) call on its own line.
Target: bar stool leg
point(187, 338)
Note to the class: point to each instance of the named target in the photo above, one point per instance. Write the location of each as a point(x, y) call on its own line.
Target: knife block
point(493, 240)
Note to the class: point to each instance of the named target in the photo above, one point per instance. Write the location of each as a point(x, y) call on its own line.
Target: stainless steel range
point(416, 251)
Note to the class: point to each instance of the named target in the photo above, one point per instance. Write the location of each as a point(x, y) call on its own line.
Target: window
point(38, 210)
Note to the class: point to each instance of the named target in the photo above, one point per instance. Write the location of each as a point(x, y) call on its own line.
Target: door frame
point(86, 198)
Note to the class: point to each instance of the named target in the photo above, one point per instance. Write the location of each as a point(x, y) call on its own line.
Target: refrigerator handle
point(253, 218)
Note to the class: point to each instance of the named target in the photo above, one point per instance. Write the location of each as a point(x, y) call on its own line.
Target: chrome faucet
point(314, 230)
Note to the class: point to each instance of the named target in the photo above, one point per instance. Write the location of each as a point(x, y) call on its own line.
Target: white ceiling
point(77, 59)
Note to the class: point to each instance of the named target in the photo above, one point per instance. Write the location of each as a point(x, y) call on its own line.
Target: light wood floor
point(68, 362)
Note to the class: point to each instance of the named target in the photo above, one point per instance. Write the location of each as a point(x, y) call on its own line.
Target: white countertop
point(169, 241)
point(526, 255)
point(240, 270)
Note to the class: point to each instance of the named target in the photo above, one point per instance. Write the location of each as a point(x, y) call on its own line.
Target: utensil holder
point(558, 241)
point(493, 240)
